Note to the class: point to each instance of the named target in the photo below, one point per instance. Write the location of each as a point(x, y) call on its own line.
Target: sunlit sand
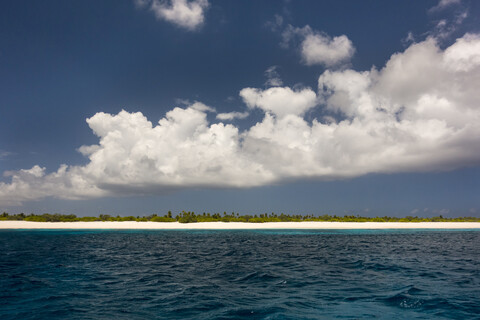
point(237, 225)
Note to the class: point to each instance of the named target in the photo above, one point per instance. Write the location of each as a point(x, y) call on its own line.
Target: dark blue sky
point(62, 62)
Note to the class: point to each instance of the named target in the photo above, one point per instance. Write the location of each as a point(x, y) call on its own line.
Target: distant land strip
point(191, 217)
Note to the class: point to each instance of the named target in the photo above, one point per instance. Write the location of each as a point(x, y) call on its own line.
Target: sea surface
point(287, 274)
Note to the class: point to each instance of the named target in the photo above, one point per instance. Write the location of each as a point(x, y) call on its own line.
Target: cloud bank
point(420, 112)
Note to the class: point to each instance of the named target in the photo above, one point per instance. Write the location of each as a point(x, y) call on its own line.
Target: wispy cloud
point(273, 78)
point(450, 14)
point(4, 154)
point(195, 105)
point(408, 39)
point(444, 28)
point(275, 24)
point(229, 116)
point(443, 4)
point(202, 107)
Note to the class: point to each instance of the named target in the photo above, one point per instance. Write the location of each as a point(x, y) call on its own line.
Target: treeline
point(190, 217)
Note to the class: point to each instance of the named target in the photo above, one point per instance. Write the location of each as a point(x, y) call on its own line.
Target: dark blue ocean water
point(239, 274)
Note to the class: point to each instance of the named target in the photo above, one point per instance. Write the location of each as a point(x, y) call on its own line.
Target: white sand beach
point(237, 225)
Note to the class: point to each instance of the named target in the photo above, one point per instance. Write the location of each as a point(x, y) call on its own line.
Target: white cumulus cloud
point(464, 55)
point(318, 47)
point(183, 13)
point(280, 101)
point(321, 49)
point(420, 112)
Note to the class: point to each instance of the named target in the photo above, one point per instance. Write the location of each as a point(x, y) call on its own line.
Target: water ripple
point(239, 274)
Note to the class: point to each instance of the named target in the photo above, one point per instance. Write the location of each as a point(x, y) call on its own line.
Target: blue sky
point(336, 107)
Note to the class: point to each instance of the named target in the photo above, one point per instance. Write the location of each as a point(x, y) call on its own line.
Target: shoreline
point(133, 225)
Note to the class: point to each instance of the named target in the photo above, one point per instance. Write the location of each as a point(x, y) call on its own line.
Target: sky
point(304, 107)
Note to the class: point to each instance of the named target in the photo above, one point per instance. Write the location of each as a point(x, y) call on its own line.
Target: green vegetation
point(190, 217)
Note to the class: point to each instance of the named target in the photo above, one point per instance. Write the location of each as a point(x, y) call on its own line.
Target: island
point(190, 220)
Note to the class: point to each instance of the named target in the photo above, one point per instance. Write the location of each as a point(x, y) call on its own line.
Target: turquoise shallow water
point(286, 274)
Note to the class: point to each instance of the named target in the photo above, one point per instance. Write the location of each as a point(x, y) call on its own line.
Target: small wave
point(412, 297)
